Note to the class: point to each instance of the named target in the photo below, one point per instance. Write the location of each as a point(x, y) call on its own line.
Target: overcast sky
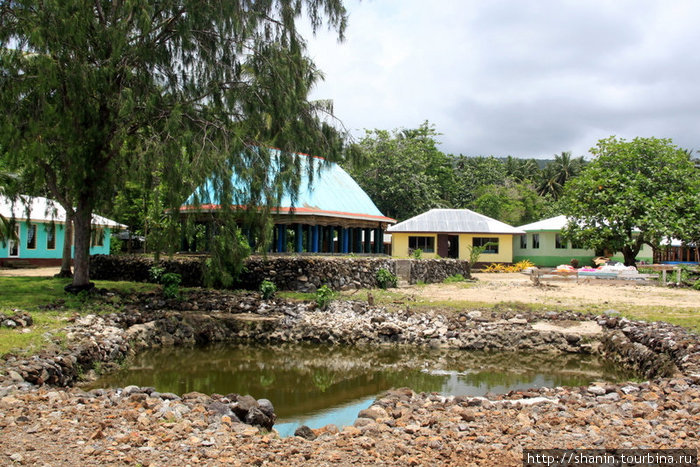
point(527, 78)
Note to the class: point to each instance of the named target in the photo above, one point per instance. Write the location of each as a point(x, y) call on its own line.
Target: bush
point(385, 278)
point(454, 278)
point(417, 253)
point(267, 289)
point(155, 274)
point(324, 296)
point(171, 284)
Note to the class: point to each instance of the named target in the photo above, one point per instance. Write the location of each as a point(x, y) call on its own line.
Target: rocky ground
point(69, 427)
point(49, 425)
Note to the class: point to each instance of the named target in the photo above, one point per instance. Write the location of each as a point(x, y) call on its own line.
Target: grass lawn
point(30, 294)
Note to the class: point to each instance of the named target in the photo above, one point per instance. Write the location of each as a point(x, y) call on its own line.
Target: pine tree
point(87, 87)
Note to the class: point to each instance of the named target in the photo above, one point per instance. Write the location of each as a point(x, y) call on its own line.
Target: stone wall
point(301, 273)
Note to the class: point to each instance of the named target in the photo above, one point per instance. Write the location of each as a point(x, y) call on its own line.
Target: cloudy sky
point(528, 78)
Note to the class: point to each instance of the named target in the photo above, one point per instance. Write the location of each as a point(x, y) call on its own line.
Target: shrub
point(324, 296)
point(385, 278)
point(171, 284)
point(417, 253)
point(454, 278)
point(155, 274)
point(267, 289)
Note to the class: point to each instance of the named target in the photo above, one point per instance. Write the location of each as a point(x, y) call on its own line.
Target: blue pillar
point(378, 241)
point(368, 241)
point(314, 238)
point(344, 240)
point(299, 237)
point(281, 238)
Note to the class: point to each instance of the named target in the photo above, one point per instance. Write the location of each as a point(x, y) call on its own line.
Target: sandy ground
point(497, 288)
point(29, 272)
point(518, 288)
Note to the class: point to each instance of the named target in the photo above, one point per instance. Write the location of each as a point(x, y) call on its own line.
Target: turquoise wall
point(549, 256)
point(41, 251)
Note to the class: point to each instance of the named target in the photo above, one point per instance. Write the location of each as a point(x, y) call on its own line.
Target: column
point(281, 238)
point(314, 238)
point(344, 240)
point(368, 241)
point(299, 237)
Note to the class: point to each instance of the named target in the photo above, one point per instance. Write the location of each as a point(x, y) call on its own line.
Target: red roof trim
point(307, 211)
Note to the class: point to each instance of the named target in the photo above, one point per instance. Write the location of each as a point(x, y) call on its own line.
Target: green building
point(544, 245)
point(39, 231)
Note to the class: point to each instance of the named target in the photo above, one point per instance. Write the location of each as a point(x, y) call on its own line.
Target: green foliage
point(229, 247)
point(385, 279)
point(514, 204)
point(475, 252)
point(155, 274)
point(454, 278)
point(324, 295)
point(171, 284)
point(633, 193)
point(556, 173)
point(115, 246)
point(268, 289)
point(403, 171)
point(93, 93)
point(417, 253)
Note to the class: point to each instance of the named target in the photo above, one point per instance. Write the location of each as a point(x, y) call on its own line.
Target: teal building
point(39, 230)
point(330, 212)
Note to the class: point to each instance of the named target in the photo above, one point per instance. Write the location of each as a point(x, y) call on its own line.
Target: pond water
point(316, 385)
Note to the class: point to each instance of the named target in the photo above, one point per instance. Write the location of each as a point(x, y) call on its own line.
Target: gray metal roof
point(454, 221)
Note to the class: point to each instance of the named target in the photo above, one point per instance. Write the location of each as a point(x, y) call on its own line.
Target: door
point(453, 248)
point(13, 251)
point(443, 248)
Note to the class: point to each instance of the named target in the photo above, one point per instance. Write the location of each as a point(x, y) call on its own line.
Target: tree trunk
point(629, 254)
point(81, 266)
point(67, 255)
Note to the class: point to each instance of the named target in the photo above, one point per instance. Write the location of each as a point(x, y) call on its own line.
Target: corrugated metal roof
point(40, 209)
point(553, 223)
point(454, 221)
point(332, 193)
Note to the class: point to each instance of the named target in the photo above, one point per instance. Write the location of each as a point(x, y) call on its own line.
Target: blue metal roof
point(331, 193)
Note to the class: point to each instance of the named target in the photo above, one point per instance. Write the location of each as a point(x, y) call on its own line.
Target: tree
point(512, 203)
point(556, 173)
point(403, 171)
point(85, 85)
point(632, 193)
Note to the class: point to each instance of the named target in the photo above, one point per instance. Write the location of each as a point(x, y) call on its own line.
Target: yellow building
point(451, 233)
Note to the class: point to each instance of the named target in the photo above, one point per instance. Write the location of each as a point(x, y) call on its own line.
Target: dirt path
point(517, 288)
point(30, 272)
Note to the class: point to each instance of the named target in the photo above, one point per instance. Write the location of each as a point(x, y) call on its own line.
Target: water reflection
point(306, 381)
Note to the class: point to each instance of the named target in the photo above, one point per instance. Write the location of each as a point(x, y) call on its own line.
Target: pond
point(315, 385)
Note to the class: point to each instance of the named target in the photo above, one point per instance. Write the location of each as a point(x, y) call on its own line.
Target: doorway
point(13, 251)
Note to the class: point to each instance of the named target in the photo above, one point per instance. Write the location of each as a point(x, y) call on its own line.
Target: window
point(427, 244)
point(98, 237)
point(576, 245)
point(50, 236)
point(523, 242)
point(559, 242)
point(490, 243)
point(31, 237)
point(535, 241)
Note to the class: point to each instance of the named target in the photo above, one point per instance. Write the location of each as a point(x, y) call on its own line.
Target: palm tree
point(558, 172)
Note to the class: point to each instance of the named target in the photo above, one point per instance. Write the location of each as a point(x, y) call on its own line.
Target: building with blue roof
point(329, 214)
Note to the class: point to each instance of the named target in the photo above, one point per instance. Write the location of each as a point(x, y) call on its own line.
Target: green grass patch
point(31, 294)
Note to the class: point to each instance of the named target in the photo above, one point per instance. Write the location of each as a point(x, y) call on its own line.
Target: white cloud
point(529, 78)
